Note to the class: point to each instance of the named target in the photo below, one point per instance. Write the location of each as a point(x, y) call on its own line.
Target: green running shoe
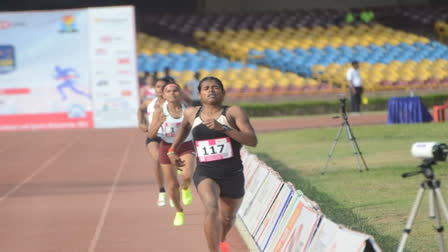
point(179, 219)
point(187, 198)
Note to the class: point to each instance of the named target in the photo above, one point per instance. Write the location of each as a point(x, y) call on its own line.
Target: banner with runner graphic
point(68, 69)
point(44, 70)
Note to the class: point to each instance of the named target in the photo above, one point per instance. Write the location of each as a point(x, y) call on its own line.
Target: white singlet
point(171, 125)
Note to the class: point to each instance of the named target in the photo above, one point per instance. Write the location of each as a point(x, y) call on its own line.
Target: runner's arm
point(157, 120)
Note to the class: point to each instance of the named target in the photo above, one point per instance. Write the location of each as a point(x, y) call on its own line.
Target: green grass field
point(376, 202)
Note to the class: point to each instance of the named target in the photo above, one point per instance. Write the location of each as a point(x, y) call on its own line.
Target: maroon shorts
point(185, 148)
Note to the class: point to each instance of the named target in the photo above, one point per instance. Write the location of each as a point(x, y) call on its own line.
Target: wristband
point(171, 149)
point(171, 153)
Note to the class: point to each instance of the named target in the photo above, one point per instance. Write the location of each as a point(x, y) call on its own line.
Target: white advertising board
point(262, 202)
point(254, 184)
point(113, 67)
point(272, 219)
point(324, 236)
point(278, 236)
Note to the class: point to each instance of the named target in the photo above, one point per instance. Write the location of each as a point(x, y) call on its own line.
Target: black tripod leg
point(332, 148)
point(355, 143)
point(351, 138)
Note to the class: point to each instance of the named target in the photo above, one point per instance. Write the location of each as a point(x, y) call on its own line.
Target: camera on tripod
point(430, 152)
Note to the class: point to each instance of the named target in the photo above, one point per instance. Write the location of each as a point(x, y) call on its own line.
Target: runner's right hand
point(176, 161)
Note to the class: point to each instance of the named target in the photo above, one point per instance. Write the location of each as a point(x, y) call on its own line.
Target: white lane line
point(99, 226)
point(37, 171)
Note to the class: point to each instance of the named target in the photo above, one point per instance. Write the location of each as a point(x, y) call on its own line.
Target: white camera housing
point(424, 149)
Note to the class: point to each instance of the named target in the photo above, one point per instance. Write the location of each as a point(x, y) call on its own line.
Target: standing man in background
point(191, 88)
point(355, 85)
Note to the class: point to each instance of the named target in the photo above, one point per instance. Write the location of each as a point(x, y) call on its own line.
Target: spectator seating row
point(187, 24)
point(243, 44)
point(391, 59)
point(395, 75)
point(425, 16)
point(240, 79)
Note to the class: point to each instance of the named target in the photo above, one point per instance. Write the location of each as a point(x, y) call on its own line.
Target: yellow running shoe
point(161, 201)
point(179, 219)
point(187, 198)
point(179, 172)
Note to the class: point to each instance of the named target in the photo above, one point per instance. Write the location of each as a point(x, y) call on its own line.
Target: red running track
point(93, 190)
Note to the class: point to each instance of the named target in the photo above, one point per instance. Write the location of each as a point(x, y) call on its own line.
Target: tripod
point(349, 134)
point(435, 199)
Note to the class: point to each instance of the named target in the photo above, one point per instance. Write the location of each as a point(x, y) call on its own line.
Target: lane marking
point(38, 170)
point(100, 224)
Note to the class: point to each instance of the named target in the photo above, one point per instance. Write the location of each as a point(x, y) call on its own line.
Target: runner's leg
point(209, 193)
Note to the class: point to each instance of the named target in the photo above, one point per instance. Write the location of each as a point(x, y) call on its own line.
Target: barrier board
point(262, 202)
point(272, 219)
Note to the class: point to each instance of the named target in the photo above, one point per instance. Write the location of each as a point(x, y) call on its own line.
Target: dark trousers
point(355, 100)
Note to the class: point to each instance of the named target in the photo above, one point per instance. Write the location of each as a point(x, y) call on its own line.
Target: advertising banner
point(44, 70)
point(113, 66)
point(324, 236)
point(278, 236)
point(254, 184)
point(263, 201)
point(299, 229)
point(272, 219)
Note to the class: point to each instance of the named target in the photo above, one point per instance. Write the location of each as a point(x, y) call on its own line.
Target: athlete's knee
point(211, 208)
point(228, 219)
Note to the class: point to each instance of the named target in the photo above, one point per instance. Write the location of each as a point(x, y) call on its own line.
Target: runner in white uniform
point(152, 144)
point(169, 118)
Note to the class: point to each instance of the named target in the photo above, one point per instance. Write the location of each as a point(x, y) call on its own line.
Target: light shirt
point(193, 86)
point(171, 125)
point(150, 113)
point(354, 77)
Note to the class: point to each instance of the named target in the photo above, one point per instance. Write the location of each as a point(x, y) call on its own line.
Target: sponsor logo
point(100, 72)
point(126, 93)
point(7, 59)
point(123, 71)
point(4, 24)
point(100, 51)
point(68, 24)
point(124, 61)
point(125, 82)
point(121, 52)
point(102, 83)
point(111, 20)
point(106, 39)
point(76, 111)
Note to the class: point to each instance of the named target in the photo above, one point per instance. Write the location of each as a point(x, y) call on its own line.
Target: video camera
point(430, 150)
point(343, 110)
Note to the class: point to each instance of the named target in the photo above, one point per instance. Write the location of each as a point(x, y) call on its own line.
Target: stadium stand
point(307, 51)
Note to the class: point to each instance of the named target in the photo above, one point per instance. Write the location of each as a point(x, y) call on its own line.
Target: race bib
point(214, 149)
point(170, 129)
